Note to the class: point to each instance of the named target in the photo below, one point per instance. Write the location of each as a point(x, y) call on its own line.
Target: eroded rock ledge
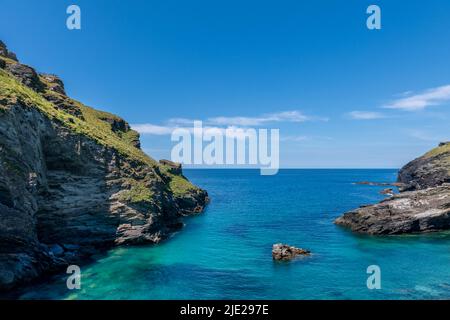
point(423, 204)
point(408, 212)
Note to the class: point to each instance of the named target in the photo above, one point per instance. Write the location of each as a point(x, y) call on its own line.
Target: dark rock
point(73, 197)
point(174, 167)
point(54, 83)
point(3, 49)
point(117, 125)
point(26, 75)
point(285, 252)
point(430, 170)
point(423, 204)
point(381, 184)
point(6, 53)
point(64, 103)
point(407, 212)
point(12, 56)
point(120, 127)
point(67, 194)
point(71, 247)
point(56, 249)
point(136, 142)
point(388, 191)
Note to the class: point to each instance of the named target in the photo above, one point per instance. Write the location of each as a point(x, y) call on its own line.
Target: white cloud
point(420, 101)
point(285, 116)
point(230, 131)
point(182, 122)
point(148, 128)
point(294, 138)
point(221, 123)
point(365, 115)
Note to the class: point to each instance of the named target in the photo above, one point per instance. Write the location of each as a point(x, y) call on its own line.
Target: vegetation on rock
point(74, 178)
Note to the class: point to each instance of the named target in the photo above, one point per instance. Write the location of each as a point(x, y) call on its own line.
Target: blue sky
point(342, 96)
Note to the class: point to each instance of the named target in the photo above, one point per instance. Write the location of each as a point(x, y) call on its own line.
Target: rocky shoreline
point(73, 180)
point(423, 204)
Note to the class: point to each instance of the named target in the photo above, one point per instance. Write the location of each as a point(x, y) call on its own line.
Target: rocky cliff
point(430, 170)
point(73, 180)
point(423, 204)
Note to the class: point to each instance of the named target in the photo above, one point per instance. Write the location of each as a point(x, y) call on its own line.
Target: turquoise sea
point(225, 253)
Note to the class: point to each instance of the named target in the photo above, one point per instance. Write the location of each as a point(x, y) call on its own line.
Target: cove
point(225, 253)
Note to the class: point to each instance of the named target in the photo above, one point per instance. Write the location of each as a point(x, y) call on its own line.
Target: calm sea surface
point(225, 253)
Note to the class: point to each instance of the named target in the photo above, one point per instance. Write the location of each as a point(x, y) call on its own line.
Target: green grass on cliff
point(178, 185)
point(12, 91)
point(130, 136)
point(138, 192)
point(441, 155)
point(8, 60)
point(438, 151)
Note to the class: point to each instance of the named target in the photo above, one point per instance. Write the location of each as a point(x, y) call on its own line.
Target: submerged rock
point(285, 252)
point(386, 184)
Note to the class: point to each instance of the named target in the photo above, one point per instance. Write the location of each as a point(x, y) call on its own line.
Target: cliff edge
point(73, 180)
point(423, 204)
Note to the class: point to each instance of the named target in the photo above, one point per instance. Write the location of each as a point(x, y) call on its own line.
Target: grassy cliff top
point(12, 91)
point(444, 148)
point(95, 124)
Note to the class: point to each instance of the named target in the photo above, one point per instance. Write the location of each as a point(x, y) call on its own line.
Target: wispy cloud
point(365, 115)
point(426, 136)
point(148, 128)
point(151, 129)
point(221, 123)
point(295, 138)
point(422, 100)
point(285, 116)
point(177, 122)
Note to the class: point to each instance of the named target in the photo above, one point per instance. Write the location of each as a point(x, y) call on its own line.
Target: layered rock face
point(423, 204)
point(430, 170)
point(73, 180)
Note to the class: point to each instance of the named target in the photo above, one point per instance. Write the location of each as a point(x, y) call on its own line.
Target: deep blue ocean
point(225, 253)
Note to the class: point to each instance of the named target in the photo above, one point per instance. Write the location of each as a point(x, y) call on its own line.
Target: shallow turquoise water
point(226, 252)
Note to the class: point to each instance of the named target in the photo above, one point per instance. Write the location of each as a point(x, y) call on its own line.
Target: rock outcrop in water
point(285, 252)
point(73, 180)
point(423, 204)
